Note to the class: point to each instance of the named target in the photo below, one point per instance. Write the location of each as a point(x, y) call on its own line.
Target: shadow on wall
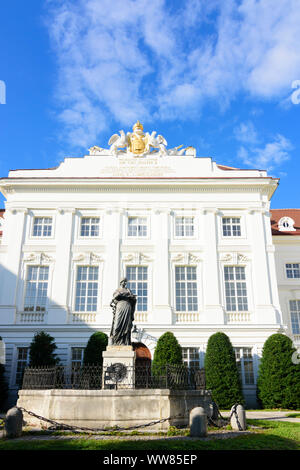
point(18, 325)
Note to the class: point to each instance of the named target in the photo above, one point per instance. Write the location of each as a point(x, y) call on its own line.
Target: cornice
point(286, 240)
point(40, 183)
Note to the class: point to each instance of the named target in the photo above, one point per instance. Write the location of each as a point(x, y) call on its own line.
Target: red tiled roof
point(224, 167)
point(277, 214)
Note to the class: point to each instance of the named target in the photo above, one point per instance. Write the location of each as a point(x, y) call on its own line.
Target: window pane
point(137, 277)
point(186, 288)
point(89, 226)
point(184, 226)
point(42, 227)
point(244, 362)
point(293, 270)
point(22, 362)
point(36, 288)
point(86, 295)
point(235, 291)
point(295, 316)
point(137, 226)
point(231, 226)
point(191, 357)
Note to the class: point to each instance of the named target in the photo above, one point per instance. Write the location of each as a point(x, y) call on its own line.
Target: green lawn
point(268, 436)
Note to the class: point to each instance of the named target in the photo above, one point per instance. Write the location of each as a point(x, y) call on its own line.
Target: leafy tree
point(222, 376)
point(278, 384)
point(94, 348)
point(167, 352)
point(41, 350)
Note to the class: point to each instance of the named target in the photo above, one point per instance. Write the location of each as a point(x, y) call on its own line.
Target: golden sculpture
point(140, 144)
point(137, 140)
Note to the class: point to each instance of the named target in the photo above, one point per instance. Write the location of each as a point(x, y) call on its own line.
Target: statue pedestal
point(118, 367)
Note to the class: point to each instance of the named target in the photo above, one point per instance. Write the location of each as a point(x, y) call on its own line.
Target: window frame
point(290, 315)
point(75, 280)
point(13, 376)
point(88, 213)
point(242, 359)
point(184, 236)
point(176, 265)
point(26, 270)
point(285, 270)
point(189, 360)
point(185, 213)
point(35, 214)
point(225, 265)
point(138, 237)
point(148, 283)
point(90, 237)
point(231, 236)
point(72, 348)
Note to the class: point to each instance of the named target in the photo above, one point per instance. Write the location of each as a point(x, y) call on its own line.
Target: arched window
point(286, 224)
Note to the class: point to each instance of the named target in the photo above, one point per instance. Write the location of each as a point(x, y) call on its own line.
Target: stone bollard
point(13, 423)
point(238, 418)
point(214, 411)
point(198, 422)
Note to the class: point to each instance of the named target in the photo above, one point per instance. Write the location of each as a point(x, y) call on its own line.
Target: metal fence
point(115, 376)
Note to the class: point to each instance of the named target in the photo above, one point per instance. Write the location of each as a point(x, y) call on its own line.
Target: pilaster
point(15, 230)
point(213, 310)
point(59, 298)
point(162, 312)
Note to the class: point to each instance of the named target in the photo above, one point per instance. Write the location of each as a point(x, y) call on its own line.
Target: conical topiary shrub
point(167, 352)
point(41, 350)
point(222, 376)
point(94, 348)
point(278, 384)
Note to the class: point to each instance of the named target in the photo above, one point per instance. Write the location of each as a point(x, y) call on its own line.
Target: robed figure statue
point(123, 305)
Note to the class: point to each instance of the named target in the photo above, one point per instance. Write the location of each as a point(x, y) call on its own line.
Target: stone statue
point(123, 305)
point(117, 141)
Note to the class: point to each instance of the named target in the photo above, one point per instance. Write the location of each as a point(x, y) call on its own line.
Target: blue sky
point(215, 75)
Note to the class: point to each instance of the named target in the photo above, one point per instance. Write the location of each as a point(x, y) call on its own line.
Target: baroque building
point(196, 240)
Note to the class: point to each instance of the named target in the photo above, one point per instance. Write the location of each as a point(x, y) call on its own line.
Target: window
point(184, 226)
point(86, 289)
point(22, 363)
point(235, 289)
point(191, 357)
point(137, 277)
point(42, 227)
point(36, 289)
point(295, 316)
point(231, 226)
point(244, 362)
point(186, 289)
point(137, 226)
point(286, 224)
point(292, 270)
point(76, 358)
point(90, 227)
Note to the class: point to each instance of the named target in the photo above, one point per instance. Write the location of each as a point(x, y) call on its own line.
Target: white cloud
point(132, 59)
point(246, 133)
point(268, 157)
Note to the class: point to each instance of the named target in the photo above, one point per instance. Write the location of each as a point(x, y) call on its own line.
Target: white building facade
point(192, 237)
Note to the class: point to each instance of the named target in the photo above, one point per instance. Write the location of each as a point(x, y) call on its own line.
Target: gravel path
point(269, 415)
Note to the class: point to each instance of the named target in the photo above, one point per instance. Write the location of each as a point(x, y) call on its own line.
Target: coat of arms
point(137, 139)
point(137, 142)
